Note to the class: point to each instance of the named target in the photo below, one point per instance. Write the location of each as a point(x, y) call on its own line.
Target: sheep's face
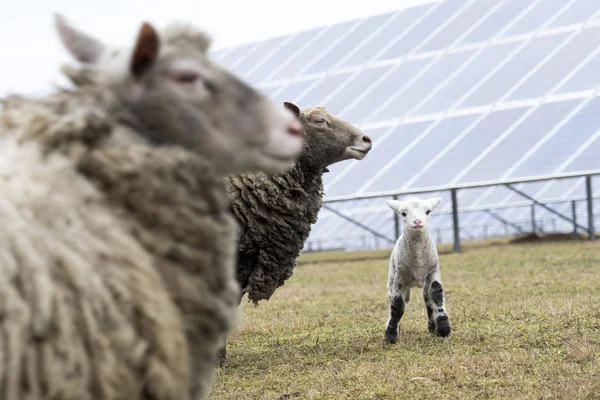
point(415, 212)
point(331, 139)
point(177, 96)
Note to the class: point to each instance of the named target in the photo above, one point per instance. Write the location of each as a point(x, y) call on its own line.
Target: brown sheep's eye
point(185, 77)
point(319, 120)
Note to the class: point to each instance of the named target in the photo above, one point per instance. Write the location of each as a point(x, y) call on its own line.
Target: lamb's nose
point(366, 139)
point(417, 222)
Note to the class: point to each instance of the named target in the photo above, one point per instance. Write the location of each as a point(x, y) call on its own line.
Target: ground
point(525, 319)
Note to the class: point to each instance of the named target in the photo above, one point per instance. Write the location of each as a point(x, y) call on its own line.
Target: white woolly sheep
point(117, 245)
point(415, 263)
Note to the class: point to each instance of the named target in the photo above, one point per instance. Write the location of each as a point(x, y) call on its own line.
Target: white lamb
point(414, 263)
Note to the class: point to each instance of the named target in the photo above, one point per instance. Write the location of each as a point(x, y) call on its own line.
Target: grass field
point(525, 319)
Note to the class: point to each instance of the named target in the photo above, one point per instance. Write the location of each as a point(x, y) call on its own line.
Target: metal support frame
point(574, 213)
point(533, 225)
point(505, 222)
point(453, 189)
point(366, 228)
point(455, 225)
point(545, 207)
point(590, 207)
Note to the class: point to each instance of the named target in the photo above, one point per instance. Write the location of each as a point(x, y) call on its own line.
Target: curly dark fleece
point(275, 213)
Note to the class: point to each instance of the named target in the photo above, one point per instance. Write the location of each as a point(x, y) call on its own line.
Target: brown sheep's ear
point(145, 51)
point(292, 107)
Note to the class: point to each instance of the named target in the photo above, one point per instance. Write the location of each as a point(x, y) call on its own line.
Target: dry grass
point(525, 318)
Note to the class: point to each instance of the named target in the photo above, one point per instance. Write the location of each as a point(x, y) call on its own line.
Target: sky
point(32, 53)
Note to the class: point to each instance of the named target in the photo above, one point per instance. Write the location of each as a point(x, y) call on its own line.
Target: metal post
point(455, 222)
point(533, 226)
point(590, 207)
point(574, 211)
point(396, 222)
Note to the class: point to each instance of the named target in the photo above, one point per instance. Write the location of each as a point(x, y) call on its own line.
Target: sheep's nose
point(295, 129)
point(417, 222)
point(366, 139)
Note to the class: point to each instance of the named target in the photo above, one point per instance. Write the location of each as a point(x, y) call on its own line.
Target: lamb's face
point(331, 138)
point(415, 212)
point(178, 96)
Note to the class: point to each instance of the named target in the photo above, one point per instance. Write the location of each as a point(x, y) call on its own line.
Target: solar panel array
point(451, 92)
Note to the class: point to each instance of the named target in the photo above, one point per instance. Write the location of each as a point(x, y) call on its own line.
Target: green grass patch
point(525, 319)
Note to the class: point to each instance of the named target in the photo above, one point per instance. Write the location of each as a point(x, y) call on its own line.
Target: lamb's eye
point(319, 120)
point(427, 212)
point(404, 214)
point(185, 76)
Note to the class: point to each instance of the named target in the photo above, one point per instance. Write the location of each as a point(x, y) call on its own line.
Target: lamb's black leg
point(437, 316)
point(393, 323)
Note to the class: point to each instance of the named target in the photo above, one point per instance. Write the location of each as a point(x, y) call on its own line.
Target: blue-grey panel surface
point(585, 78)
point(580, 11)
point(350, 183)
point(384, 89)
point(566, 141)
point(495, 23)
point(283, 55)
point(355, 88)
point(537, 17)
point(588, 159)
point(425, 147)
point(466, 79)
point(383, 151)
point(467, 148)
point(560, 65)
point(235, 55)
point(322, 88)
point(515, 70)
point(406, 100)
point(383, 86)
point(371, 47)
point(348, 43)
point(292, 91)
point(308, 54)
point(258, 55)
point(411, 39)
point(459, 26)
point(510, 149)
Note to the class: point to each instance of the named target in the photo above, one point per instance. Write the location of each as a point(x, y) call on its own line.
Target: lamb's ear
point(145, 51)
point(433, 203)
point(395, 205)
point(293, 108)
point(83, 47)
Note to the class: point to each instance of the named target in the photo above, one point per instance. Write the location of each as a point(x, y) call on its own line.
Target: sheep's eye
point(319, 120)
point(185, 76)
point(427, 212)
point(404, 214)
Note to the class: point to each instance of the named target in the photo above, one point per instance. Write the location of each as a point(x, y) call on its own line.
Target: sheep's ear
point(145, 50)
point(292, 107)
point(83, 47)
point(395, 205)
point(433, 203)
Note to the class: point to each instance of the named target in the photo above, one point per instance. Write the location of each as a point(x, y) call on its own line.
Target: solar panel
point(452, 91)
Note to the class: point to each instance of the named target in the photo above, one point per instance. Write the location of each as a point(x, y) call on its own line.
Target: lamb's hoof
point(391, 336)
point(431, 326)
point(443, 326)
point(221, 357)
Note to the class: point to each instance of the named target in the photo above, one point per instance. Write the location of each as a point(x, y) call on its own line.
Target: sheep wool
point(116, 241)
point(275, 213)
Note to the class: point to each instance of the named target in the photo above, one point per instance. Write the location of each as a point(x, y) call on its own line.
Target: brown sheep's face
point(177, 96)
point(331, 139)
